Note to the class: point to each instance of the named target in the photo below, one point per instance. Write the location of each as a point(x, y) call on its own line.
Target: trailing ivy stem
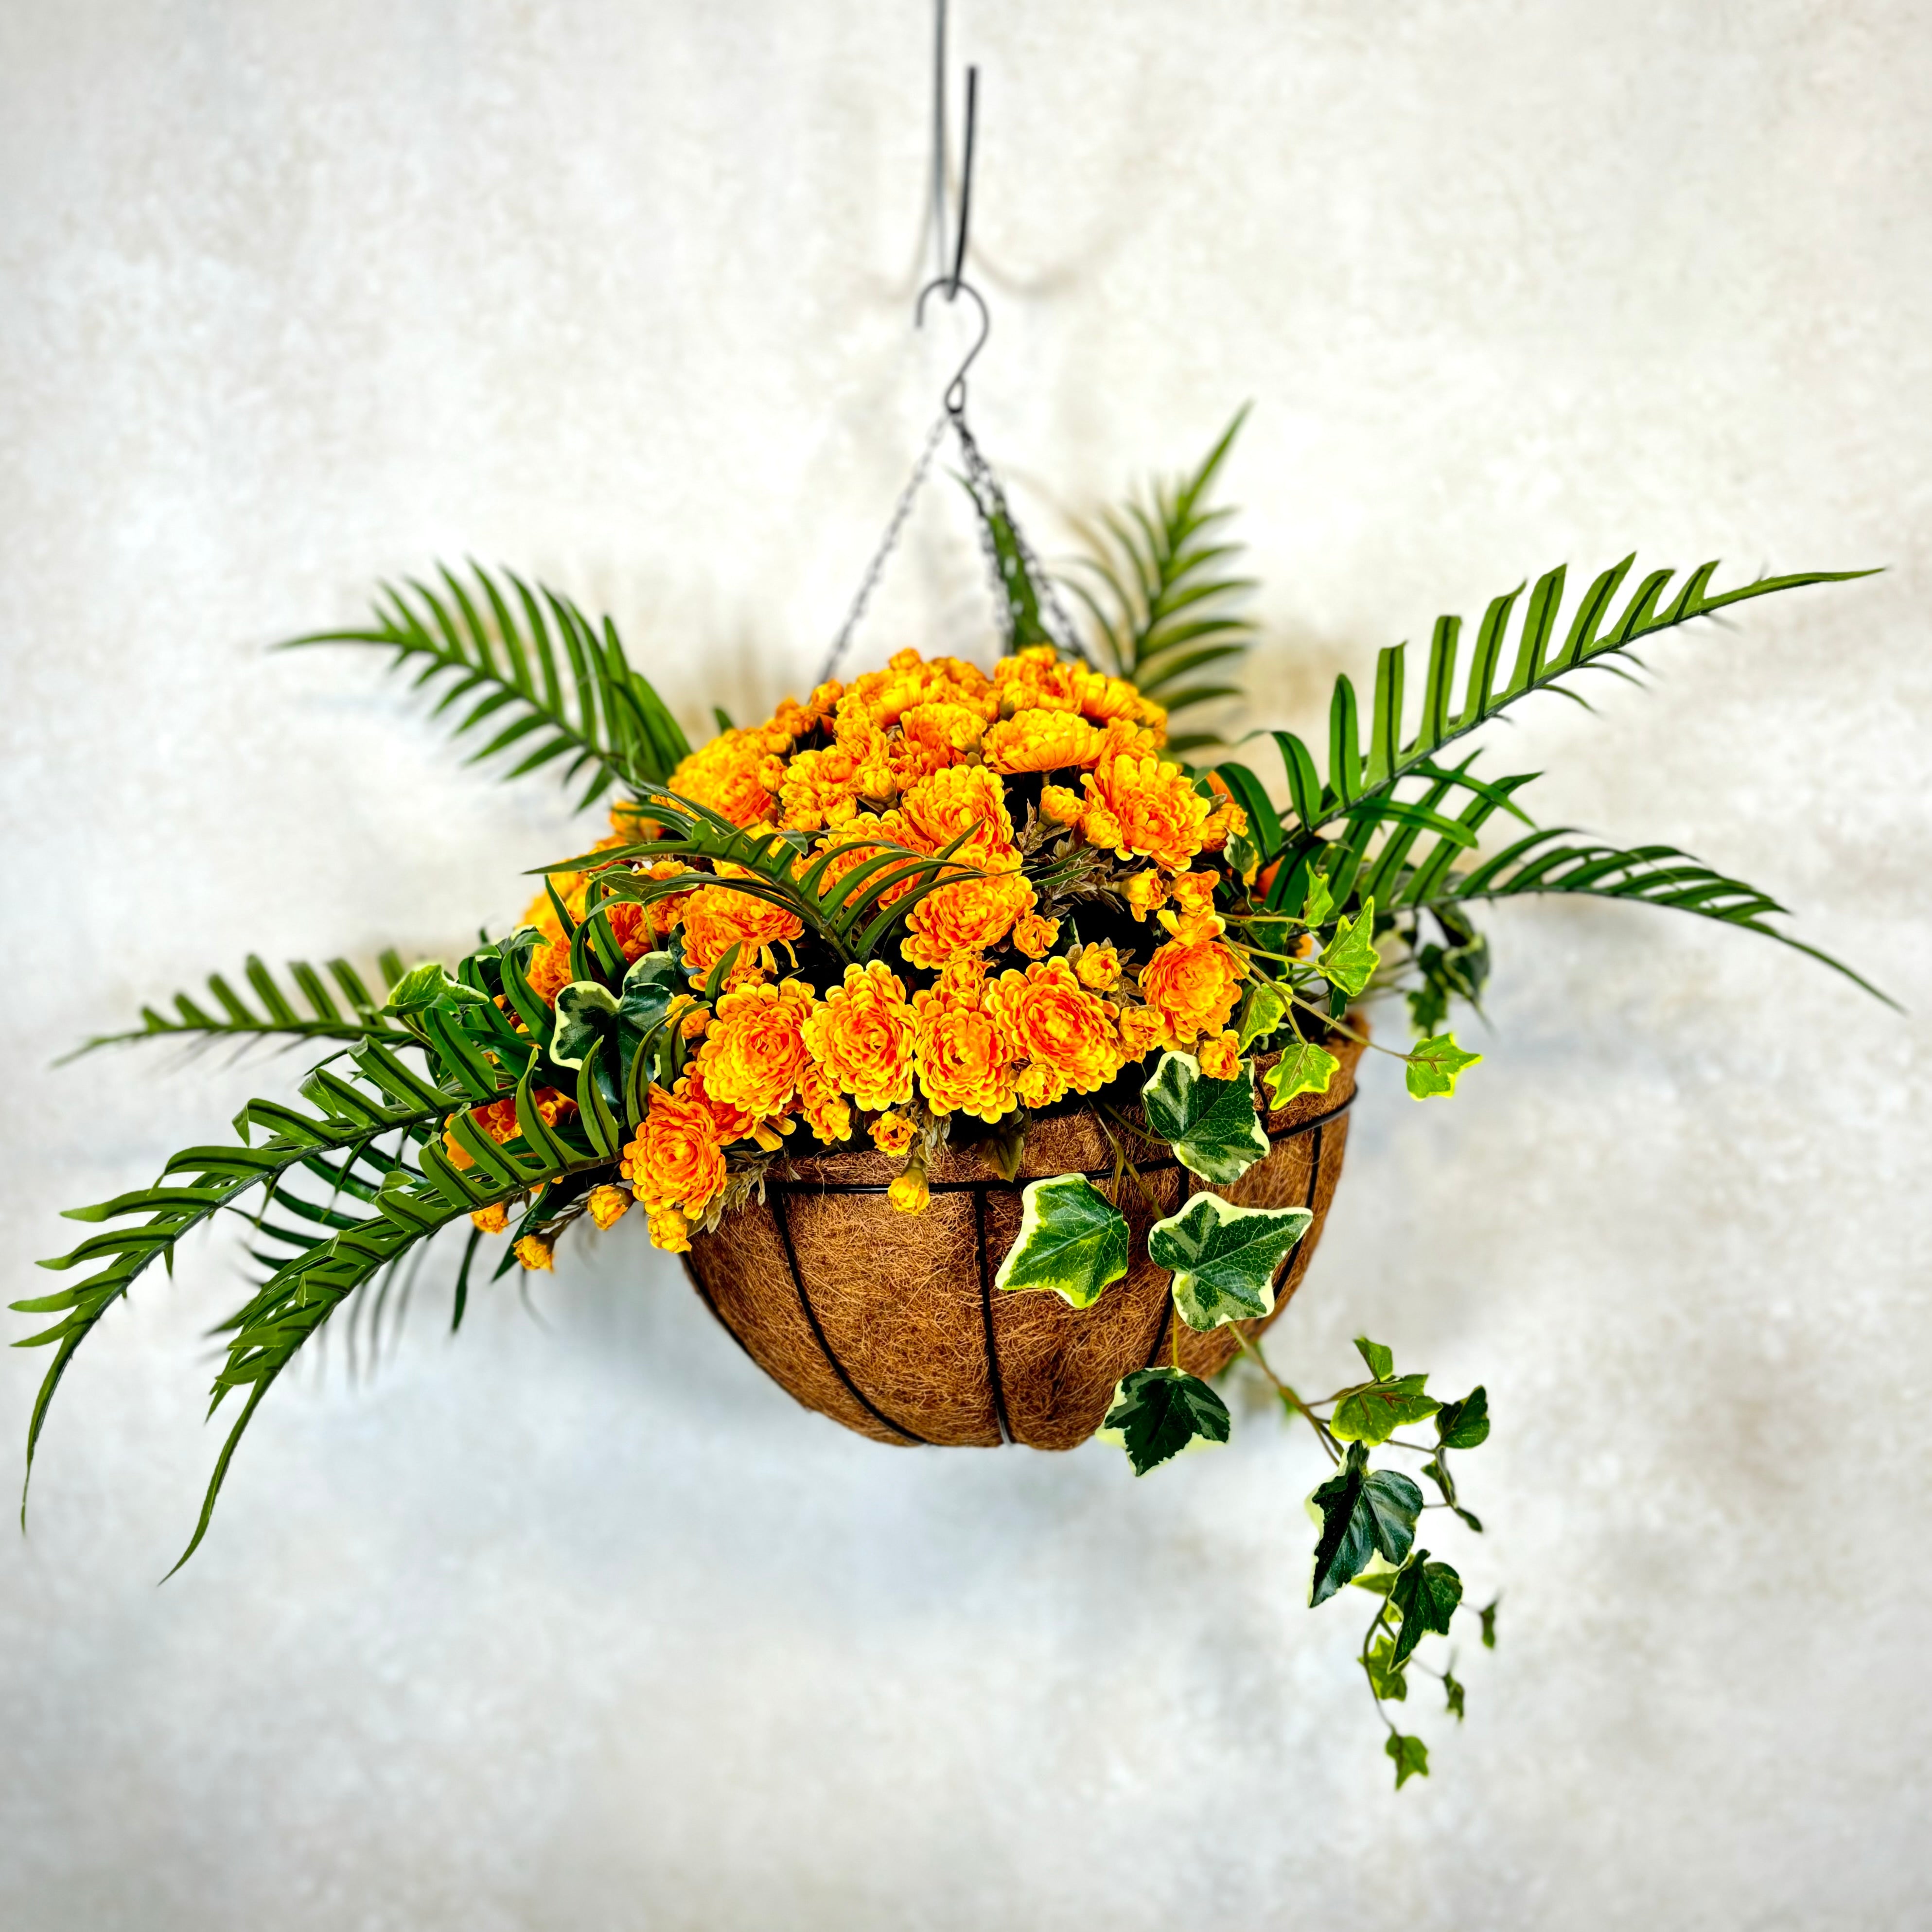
point(1252, 1350)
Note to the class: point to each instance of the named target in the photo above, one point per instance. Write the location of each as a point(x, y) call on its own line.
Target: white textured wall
point(584, 1624)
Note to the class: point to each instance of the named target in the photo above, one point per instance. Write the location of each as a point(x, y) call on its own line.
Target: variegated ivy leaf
point(1302, 1068)
point(1364, 1513)
point(1224, 1258)
point(1158, 1414)
point(1211, 1124)
point(1349, 960)
point(1435, 1064)
point(650, 987)
point(1374, 1412)
point(585, 1012)
point(1266, 1008)
point(1073, 1242)
point(431, 985)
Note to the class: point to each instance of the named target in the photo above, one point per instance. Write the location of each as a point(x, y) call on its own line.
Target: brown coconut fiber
point(889, 1323)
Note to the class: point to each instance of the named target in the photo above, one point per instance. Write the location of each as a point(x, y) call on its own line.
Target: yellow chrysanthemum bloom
point(1066, 1034)
point(674, 1159)
point(1141, 808)
point(1220, 1056)
point(967, 916)
point(716, 918)
point(861, 1036)
point(1194, 988)
point(967, 1062)
point(754, 1054)
point(608, 1205)
point(909, 1192)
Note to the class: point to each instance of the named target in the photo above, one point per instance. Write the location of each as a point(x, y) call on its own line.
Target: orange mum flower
point(608, 1205)
point(827, 1111)
point(1062, 806)
point(1060, 1027)
point(754, 1053)
point(862, 1035)
point(1041, 741)
point(1153, 807)
point(674, 1161)
point(1220, 1056)
point(1097, 967)
point(966, 1063)
point(738, 774)
point(1034, 935)
point(1194, 988)
point(968, 798)
point(716, 918)
point(1142, 1029)
point(967, 916)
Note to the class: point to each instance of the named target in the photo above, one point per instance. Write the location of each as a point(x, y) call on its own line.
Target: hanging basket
point(889, 1323)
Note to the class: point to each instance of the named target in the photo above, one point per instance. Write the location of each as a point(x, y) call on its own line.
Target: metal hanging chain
point(990, 498)
point(903, 510)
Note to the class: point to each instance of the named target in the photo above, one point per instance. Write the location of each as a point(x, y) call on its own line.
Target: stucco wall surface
point(576, 1620)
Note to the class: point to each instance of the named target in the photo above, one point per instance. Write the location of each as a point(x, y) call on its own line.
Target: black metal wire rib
point(837, 1367)
point(986, 1315)
point(1313, 1126)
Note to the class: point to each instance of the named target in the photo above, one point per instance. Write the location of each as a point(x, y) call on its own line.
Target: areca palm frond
point(534, 667)
point(353, 1015)
point(1156, 589)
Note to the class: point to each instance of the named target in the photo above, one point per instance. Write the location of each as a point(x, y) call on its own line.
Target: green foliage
point(1424, 1596)
point(1073, 1242)
point(1411, 1756)
point(1157, 1414)
point(1154, 584)
point(1211, 1124)
point(848, 914)
point(1302, 1068)
point(1435, 1065)
point(1224, 1258)
point(349, 1013)
point(1364, 1513)
point(529, 664)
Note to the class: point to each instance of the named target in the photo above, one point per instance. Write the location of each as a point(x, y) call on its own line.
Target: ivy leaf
point(1434, 1066)
point(584, 1012)
point(1425, 1597)
point(1437, 1473)
point(1158, 1414)
point(650, 987)
point(1073, 1242)
point(1381, 1361)
point(1302, 1069)
point(1224, 1258)
point(1373, 1413)
point(431, 985)
point(1453, 1691)
point(1488, 1614)
point(1348, 961)
point(1211, 1124)
point(1387, 1679)
point(1364, 1513)
point(1411, 1756)
point(1321, 900)
point(1464, 1424)
point(1266, 1008)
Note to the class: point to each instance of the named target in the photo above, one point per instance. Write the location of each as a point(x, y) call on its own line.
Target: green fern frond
point(848, 914)
point(355, 1015)
point(551, 683)
point(1156, 589)
point(1597, 635)
point(1660, 875)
